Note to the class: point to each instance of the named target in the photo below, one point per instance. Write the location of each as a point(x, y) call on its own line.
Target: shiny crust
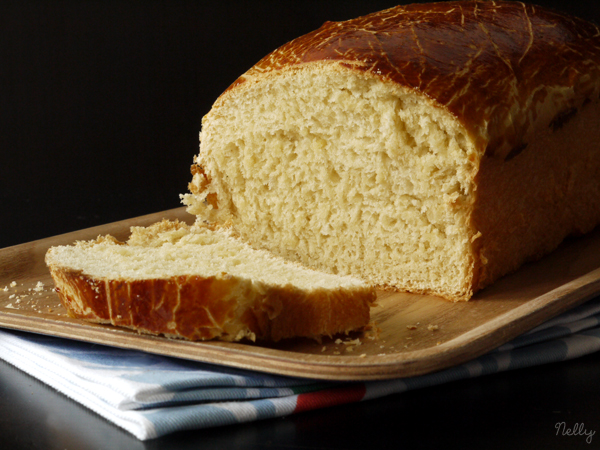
point(503, 69)
point(196, 308)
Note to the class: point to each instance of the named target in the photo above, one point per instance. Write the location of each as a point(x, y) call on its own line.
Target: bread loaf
point(428, 148)
point(197, 284)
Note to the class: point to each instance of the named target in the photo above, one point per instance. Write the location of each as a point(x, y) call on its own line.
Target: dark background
point(101, 101)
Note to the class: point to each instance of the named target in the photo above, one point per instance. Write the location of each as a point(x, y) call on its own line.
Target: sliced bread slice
point(191, 282)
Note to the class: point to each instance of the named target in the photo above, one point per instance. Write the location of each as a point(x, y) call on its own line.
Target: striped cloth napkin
point(151, 396)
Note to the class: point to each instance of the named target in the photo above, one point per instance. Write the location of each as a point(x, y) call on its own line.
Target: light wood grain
point(414, 334)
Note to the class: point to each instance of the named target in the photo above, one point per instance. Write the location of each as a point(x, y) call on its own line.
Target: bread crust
point(526, 205)
point(221, 307)
point(504, 69)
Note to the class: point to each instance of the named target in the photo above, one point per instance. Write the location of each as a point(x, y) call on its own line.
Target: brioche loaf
point(428, 148)
point(194, 283)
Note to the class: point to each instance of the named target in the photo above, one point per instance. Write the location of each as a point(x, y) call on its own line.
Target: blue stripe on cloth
point(211, 395)
point(586, 342)
point(550, 333)
point(548, 352)
point(168, 420)
point(538, 354)
point(265, 409)
point(587, 309)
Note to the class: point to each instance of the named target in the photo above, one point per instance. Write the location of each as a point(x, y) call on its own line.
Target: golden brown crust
point(197, 308)
point(491, 64)
point(526, 205)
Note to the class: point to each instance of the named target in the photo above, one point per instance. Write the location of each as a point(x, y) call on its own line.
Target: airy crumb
point(39, 287)
point(13, 283)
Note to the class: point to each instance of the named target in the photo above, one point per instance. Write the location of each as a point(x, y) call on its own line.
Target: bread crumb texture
point(197, 283)
point(355, 178)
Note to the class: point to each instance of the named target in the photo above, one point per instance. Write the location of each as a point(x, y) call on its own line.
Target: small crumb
point(382, 346)
point(324, 348)
point(349, 349)
point(372, 331)
point(363, 355)
point(39, 287)
point(13, 284)
point(411, 327)
point(438, 343)
point(336, 353)
point(432, 327)
point(353, 342)
point(5, 288)
point(12, 296)
point(338, 341)
point(10, 305)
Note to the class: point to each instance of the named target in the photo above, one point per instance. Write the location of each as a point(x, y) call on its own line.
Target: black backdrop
point(101, 101)
point(100, 108)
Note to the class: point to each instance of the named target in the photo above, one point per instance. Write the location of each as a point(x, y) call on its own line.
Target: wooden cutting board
point(413, 334)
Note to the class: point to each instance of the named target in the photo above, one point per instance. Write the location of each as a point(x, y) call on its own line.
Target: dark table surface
point(100, 110)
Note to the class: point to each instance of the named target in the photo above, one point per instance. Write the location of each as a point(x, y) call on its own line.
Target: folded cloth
point(151, 396)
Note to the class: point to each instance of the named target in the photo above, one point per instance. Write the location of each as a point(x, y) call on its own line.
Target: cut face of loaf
point(194, 283)
point(428, 148)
